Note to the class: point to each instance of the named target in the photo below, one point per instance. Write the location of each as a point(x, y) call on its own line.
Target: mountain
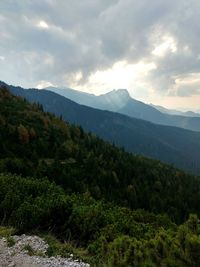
point(77, 96)
point(115, 99)
point(176, 112)
point(169, 144)
point(105, 206)
point(121, 102)
point(36, 142)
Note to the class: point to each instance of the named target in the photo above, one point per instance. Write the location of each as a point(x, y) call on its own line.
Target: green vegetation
point(10, 241)
point(66, 248)
point(6, 231)
point(104, 205)
point(169, 144)
point(101, 233)
point(29, 249)
point(37, 144)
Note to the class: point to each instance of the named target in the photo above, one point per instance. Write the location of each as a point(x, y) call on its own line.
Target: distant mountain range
point(176, 112)
point(169, 144)
point(121, 102)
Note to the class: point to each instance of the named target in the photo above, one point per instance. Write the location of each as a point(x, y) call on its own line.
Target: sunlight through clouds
point(101, 45)
point(121, 75)
point(43, 84)
point(168, 45)
point(42, 24)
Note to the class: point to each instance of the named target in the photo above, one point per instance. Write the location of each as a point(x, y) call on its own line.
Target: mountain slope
point(37, 143)
point(120, 101)
point(76, 182)
point(169, 144)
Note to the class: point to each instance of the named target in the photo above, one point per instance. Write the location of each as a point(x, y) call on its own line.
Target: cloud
point(167, 46)
point(187, 85)
point(83, 43)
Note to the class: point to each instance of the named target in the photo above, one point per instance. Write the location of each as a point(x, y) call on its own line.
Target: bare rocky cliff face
point(16, 253)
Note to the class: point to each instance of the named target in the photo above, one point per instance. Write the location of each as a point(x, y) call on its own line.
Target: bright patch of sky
point(42, 24)
point(120, 75)
point(150, 48)
point(168, 45)
point(43, 84)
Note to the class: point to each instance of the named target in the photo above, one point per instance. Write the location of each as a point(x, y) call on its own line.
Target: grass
point(57, 248)
point(65, 249)
point(10, 241)
point(29, 249)
point(6, 231)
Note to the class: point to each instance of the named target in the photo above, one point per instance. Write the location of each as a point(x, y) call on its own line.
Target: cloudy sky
point(152, 48)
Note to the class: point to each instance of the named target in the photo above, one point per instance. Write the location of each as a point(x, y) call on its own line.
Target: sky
point(151, 48)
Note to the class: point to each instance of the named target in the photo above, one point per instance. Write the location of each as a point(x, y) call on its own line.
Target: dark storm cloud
point(53, 40)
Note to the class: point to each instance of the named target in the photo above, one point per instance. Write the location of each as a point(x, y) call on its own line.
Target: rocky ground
point(17, 254)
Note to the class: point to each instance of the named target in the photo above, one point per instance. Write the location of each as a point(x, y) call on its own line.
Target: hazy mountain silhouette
point(120, 101)
point(176, 112)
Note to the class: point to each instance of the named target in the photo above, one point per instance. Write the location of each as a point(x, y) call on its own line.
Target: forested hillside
point(121, 210)
point(38, 144)
point(169, 144)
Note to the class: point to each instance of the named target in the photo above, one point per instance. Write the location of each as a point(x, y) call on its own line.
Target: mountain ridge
point(176, 112)
point(131, 107)
point(102, 204)
point(169, 144)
